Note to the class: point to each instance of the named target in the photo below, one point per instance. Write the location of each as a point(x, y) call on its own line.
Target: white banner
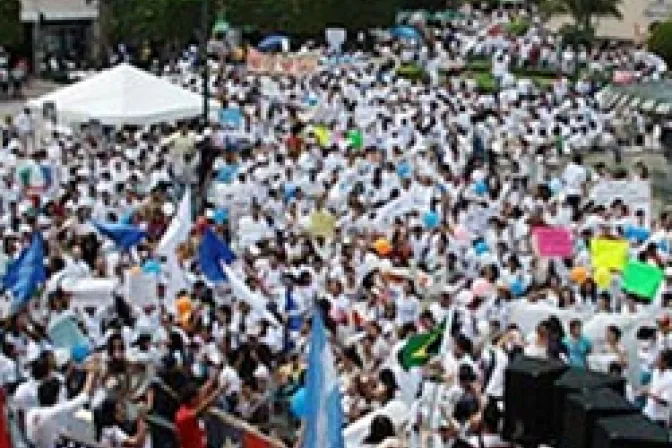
point(90, 292)
point(141, 289)
point(335, 38)
point(636, 194)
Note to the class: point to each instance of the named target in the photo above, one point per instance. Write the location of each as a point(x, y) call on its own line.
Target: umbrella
point(406, 32)
point(271, 43)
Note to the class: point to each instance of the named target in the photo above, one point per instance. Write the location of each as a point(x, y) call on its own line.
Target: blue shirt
point(578, 350)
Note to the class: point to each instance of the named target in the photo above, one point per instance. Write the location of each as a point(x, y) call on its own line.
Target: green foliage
point(479, 64)
point(518, 27)
point(11, 30)
point(179, 20)
point(582, 11)
point(411, 71)
point(167, 21)
point(660, 41)
point(577, 35)
point(486, 82)
point(310, 17)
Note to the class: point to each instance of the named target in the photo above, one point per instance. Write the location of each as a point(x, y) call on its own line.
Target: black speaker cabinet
point(581, 412)
point(629, 431)
point(576, 380)
point(528, 399)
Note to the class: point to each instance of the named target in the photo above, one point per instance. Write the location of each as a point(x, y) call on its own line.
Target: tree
point(311, 17)
point(660, 41)
point(173, 22)
point(582, 11)
point(163, 21)
point(11, 30)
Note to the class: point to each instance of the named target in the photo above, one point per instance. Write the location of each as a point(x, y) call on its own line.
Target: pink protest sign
point(553, 242)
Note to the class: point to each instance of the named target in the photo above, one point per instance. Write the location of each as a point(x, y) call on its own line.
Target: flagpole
point(435, 396)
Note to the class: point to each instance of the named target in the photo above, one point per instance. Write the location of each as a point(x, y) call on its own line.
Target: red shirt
point(190, 432)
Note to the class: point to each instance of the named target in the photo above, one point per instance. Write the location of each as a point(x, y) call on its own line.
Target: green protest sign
point(642, 279)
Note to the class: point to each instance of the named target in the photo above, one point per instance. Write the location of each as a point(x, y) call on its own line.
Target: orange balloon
point(382, 246)
point(579, 274)
point(183, 305)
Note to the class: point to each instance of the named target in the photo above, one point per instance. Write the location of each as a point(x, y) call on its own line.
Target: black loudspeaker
point(528, 399)
point(576, 380)
point(629, 431)
point(581, 412)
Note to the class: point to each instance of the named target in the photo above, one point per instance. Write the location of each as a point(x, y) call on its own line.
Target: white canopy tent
point(124, 95)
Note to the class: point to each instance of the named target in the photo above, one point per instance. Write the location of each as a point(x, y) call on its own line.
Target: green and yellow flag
point(421, 347)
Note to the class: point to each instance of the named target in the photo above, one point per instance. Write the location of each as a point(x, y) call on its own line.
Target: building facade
point(64, 28)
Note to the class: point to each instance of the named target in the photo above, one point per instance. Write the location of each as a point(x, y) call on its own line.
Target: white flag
point(243, 293)
point(177, 233)
point(179, 228)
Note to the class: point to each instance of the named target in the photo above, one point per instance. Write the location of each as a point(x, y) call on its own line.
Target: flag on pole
point(294, 319)
point(125, 236)
point(211, 254)
point(26, 273)
point(420, 348)
point(176, 234)
point(243, 293)
point(324, 423)
point(179, 228)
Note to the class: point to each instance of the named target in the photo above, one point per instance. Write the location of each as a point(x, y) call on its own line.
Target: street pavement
point(36, 87)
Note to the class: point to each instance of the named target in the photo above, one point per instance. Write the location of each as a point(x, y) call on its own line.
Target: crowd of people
point(395, 207)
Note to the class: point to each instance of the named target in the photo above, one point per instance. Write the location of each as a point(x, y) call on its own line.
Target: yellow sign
point(322, 135)
point(322, 224)
point(609, 254)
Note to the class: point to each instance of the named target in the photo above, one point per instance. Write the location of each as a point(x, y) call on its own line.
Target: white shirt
point(25, 396)
point(43, 425)
point(661, 387)
point(574, 177)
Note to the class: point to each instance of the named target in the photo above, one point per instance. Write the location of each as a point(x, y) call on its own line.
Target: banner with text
point(635, 194)
point(280, 64)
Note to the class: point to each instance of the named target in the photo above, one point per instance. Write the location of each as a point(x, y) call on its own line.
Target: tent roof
point(123, 95)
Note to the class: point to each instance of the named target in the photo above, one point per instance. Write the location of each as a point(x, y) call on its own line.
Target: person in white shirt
point(659, 392)
point(44, 423)
point(25, 125)
point(574, 177)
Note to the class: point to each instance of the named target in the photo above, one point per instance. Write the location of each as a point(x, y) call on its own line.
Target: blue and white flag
point(324, 424)
point(211, 254)
point(26, 273)
point(294, 317)
point(124, 236)
point(294, 320)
